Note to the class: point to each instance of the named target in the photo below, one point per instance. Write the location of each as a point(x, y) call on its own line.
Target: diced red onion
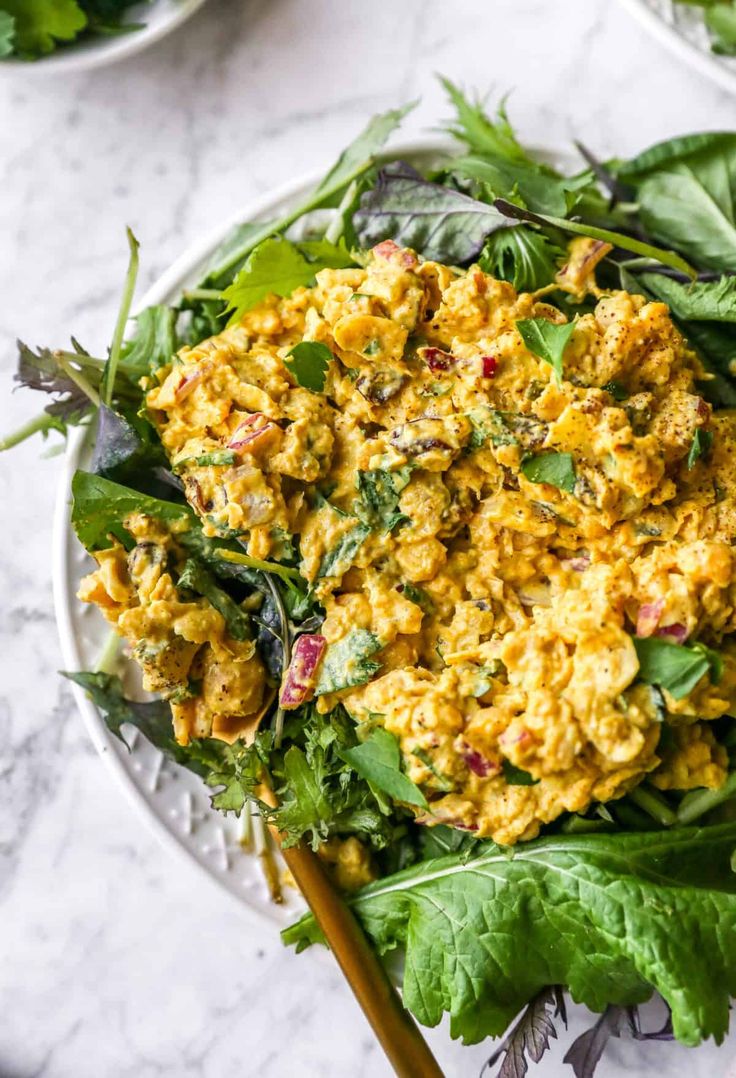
point(490, 366)
point(648, 617)
point(187, 384)
point(478, 764)
point(246, 435)
point(388, 249)
point(300, 679)
point(436, 359)
point(578, 565)
point(677, 632)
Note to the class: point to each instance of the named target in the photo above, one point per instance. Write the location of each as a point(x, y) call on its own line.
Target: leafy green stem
point(63, 360)
point(283, 571)
point(654, 804)
point(122, 320)
point(698, 802)
point(40, 424)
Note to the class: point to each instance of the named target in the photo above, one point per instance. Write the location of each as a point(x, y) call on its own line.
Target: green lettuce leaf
point(609, 916)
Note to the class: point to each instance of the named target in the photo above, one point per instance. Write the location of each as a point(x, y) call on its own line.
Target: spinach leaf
point(547, 340)
point(557, 469)
point(700, 446)
point(348, 663)
point(308, 362)
point(442, 224)
point(196, 578)
point(378, 761)
point(338, 560)
point(567, 897)
point(685, 188)
point(525, 258)
point(278, 267)
point(675, 667)
point(100, 506)
point(378, 498)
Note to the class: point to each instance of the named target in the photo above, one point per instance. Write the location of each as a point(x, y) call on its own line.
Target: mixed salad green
point(632, 897)
point(31, 29)
point(720, 19)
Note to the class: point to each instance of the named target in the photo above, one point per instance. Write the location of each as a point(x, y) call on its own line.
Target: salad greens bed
point(634, 896)
point(30, 29)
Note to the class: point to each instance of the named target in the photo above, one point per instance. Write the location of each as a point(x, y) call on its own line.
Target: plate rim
point(75, 57)
point(706, 63)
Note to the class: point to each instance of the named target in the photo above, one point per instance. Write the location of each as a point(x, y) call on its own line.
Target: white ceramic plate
point(160, 18)
point(681, 29)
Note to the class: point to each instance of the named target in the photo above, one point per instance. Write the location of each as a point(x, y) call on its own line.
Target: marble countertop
point(117, 958)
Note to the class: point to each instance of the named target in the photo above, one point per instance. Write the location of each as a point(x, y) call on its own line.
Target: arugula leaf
point(567, 898)
point(675, 667)
point(308, 362)
point(197, 579)
point(338, 560)
point(525, 258)
point(7, 33)
point(700, 446)
point(444, 225)
point(378, 761)
point(547, 340)
point(151, 717)
point(557, 469)
point(378, 498)
point(40, 24)
point(278, 267)
point(348, 663)
point(100, 506)
point(686, 190)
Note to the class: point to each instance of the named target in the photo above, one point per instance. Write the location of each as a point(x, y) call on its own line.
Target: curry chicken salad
point(414, 521)
point(499, 611)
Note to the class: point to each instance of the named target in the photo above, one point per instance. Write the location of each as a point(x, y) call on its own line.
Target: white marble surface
point(118, 959)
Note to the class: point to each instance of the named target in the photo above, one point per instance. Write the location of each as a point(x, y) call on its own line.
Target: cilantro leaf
point(700, 446)
point(197, 579)
point(278, 267)
point(308, 362)
point(378, 761)
point(348, 663)
point(338, 560)
point(7, 33)
point(567, 898)
point(40, 24)
point(378, 502)
point(557, 469)
point(675, 667)
point(546, 340)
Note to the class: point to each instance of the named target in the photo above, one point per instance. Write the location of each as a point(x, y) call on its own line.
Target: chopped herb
point(348, 662)
point(700, 446)
point(338, 560)
point(516, 777)
point(675, 667)
point(617, 391)
point(308, 362)
point(378, 502)
point(378, 761)
point(556, 469)
point(546, 340)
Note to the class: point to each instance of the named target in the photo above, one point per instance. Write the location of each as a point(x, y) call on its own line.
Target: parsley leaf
point(675, 667)
point(700, 446)
point(348, 663)
point(546, 340)
point(557, 469)
point(308, 362)
point(278, 267)
point(379, 492)
point(567, 898)
point(378, 761)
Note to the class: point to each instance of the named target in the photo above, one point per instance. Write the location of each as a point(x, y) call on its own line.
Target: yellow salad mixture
point(501, 534)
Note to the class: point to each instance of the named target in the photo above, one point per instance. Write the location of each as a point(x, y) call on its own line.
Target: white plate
point(160, 18)
point(681, 29)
